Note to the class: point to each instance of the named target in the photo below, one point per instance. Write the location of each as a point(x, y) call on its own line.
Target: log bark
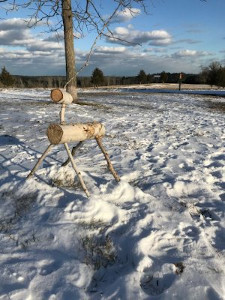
point(110, 166)
point(67, 16)
point(48, 149)
point(62, 114)
point(76, 170)
point(59, 96)
point(60, 134)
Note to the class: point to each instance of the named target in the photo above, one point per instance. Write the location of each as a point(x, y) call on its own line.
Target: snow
point(182, 91)
point(157, 234)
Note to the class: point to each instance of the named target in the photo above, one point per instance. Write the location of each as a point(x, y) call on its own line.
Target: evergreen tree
point(98, 77)
point(6, 78)
point(142, 77)
point(164, 76)
point(149, 78)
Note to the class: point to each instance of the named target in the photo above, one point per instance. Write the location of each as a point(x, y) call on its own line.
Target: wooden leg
point(76, 170)
point(110, 166)
point(75, 148)
point(40, 161)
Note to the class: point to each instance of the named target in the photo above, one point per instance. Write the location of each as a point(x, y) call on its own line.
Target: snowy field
point(158, 234)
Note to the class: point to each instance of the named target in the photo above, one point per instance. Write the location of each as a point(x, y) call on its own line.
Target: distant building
point(156, 77)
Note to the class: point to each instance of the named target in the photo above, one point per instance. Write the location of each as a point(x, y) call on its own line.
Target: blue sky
point(174, 36)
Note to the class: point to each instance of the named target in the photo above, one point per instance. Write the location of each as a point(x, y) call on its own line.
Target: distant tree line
point(214, 74)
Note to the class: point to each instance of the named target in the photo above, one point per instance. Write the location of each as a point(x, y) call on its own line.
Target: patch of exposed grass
point(21, 204)
point(64, 178)
point(8, 225)
point(98, 252)
point(67, 183)
point(98, 248)
point(94, 225)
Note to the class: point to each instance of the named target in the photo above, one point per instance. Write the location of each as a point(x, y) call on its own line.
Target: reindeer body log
point(60, 134)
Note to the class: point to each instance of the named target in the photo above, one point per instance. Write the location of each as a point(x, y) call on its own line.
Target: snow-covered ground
point(157, 234)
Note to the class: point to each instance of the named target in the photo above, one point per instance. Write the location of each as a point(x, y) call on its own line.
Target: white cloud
point(126, 15)
point(14, 32)
point(22, 47)
point(159, 34)
point(14, 36)
point(186, 53)
point(188, 41)
point(121, 35)
point(12, 24)
point(128, 62)
point(55, 37)
point(26, 53)
point(24, 62)
point(121, 31)
point(131, 62)
point(40, 45)
point(112, 60)
point(105, 49)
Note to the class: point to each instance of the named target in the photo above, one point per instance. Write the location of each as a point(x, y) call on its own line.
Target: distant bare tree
point(214, 74)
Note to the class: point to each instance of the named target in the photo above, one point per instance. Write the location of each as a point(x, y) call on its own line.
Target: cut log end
point(59, 96)
point(54, 134)
point(56, 95)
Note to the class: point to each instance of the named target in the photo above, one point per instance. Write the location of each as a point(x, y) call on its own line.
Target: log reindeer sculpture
point(66, 133)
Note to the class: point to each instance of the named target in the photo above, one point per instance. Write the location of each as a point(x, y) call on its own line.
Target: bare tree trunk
point(67, 17)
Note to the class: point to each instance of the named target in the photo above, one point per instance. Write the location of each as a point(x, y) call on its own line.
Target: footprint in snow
point(215, 160)
point(49, 267)
point(189, 234)
point(155, 283)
